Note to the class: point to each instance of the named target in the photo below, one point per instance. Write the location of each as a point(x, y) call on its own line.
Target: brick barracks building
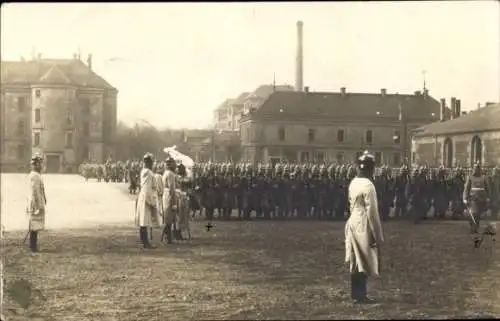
point(462, 140)
point(59, 108)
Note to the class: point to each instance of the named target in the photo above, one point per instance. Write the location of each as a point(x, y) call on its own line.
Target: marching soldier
point(36, 202)
point(363, 229)
point(169, 202)
point(475, 196)
point(146, 211)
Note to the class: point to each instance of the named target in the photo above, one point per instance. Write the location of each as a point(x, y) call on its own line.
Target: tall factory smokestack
point(299, 68)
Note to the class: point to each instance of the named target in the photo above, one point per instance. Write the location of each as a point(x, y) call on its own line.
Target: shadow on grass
point(428, 270)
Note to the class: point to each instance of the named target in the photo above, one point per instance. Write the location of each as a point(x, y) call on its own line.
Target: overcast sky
point(177, 62)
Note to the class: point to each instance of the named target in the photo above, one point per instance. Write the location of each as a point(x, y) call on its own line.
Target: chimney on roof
point(75, 56)
point(342, 91)
point(417, 93)
point(453, 102)
point(383, 91)
point(458, 108)
point(306, 89)
point(442, 115)
point(299, 68)
point(464, 113)
point(89, 61)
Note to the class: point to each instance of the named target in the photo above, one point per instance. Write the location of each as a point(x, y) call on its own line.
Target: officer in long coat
point(475, 196)
point(146, 211)
point(169, 200)
point(36, 202)
point(363, 230)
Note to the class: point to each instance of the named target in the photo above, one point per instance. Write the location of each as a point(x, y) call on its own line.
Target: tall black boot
point(143, 232)
point(34, 241)
point(141, 235)
point(167, 232)
point(355, 292)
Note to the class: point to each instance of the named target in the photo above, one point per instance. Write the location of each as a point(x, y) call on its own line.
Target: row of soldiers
point(115, 172)
point(320, 191)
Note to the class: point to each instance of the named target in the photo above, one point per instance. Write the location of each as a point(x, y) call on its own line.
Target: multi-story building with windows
point(59, 108)
point(228, 114)
point(305, 126)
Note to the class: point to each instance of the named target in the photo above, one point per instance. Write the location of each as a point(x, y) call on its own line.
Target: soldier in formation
point(316, 191)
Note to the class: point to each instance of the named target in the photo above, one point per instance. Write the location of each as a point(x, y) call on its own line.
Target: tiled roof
point(34, 71)
point(54, 76)
point(265, 91)
point(483, 119)
point(320, 105)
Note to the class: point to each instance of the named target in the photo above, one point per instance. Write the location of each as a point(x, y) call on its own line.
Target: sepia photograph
point(250, 161)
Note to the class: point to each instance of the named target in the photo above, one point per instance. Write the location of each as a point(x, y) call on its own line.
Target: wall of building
point(57, 107)
point(90, 126)
point(261, 141)
point(62, 111)
point(431, 150)
point(15, 143)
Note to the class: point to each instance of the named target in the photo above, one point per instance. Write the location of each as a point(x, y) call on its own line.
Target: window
point(21, 104)
point(311, 135)
point(397, 137)
point(85, 152)
point(69, 117)
point(304, 157)
point(281, 133)
point(36, 139)
point(320, 157)
point(340, 135)
point(369, 137)
point(86, 129)
point(340, 158)
point(20, 128)
point(69, 140)
point(38, 115)
point(396, 159)
point(378, 158)
point(38, 93)
point(20, 151)
point(85, 105)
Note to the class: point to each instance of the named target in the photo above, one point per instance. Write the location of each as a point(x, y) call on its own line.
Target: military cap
point(366, 159)
point(170, 162)
point(36, 159)
point(148, 157)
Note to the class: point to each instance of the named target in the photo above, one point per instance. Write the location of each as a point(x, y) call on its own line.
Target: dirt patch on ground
point(250, 270)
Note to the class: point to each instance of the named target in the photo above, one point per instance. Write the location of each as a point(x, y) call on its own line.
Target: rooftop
point(51, 71)
point(484, 119)
point(284, 105)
